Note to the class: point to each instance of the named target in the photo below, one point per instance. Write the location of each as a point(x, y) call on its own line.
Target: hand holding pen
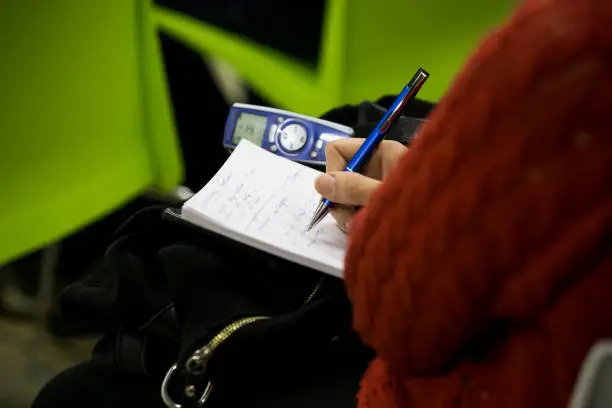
point(349, 190)
point(362, 152)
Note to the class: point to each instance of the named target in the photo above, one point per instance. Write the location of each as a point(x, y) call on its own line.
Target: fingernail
point(325, 184)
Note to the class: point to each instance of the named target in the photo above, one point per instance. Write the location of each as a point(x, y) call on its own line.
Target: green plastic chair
point(86, 122)
point(369, 48)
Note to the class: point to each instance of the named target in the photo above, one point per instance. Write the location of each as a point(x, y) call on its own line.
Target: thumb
point(346, 187)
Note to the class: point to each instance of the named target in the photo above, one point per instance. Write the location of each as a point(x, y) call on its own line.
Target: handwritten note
point(266, 201)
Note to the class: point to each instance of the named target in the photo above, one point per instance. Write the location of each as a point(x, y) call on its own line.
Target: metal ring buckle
point(166, 396)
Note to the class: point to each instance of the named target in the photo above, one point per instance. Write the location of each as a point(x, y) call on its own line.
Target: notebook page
point(266, 201)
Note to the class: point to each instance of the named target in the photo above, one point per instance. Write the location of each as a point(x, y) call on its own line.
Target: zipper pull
point(197, 362)
point(194, 367)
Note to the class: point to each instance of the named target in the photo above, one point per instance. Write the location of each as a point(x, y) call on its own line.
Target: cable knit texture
point(481, 270)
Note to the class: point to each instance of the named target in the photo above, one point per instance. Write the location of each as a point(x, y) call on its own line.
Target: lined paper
point(266, 201)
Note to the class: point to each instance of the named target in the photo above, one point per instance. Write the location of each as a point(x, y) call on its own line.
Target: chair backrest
point(86, 122)
point(368, 48)
point(386, 41)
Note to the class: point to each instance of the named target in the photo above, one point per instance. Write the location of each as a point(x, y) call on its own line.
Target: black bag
point(212, 321)
point(166, 290)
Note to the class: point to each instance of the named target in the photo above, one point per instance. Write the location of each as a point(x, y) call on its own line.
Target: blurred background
point(110, 106)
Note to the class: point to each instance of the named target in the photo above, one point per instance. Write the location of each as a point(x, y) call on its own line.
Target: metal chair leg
point(39, 307)
point(46, 282)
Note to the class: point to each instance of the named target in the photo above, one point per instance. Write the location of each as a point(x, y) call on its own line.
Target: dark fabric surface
point(98, 384)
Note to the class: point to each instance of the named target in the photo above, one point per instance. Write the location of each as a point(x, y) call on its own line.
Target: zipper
point(314, 292)
point(196, 363)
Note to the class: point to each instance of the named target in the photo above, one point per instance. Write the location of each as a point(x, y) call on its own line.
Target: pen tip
point(319, 214)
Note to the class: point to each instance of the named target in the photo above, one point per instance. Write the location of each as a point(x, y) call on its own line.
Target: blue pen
point(376, 136)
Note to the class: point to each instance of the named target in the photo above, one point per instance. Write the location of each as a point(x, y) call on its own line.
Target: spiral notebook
point(266, 201)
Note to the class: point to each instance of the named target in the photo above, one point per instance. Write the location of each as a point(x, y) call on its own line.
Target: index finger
point(340, 152)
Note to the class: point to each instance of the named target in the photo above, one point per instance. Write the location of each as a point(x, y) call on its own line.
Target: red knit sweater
point(481, 270)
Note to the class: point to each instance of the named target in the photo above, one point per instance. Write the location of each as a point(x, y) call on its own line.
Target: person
point(479, 261)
